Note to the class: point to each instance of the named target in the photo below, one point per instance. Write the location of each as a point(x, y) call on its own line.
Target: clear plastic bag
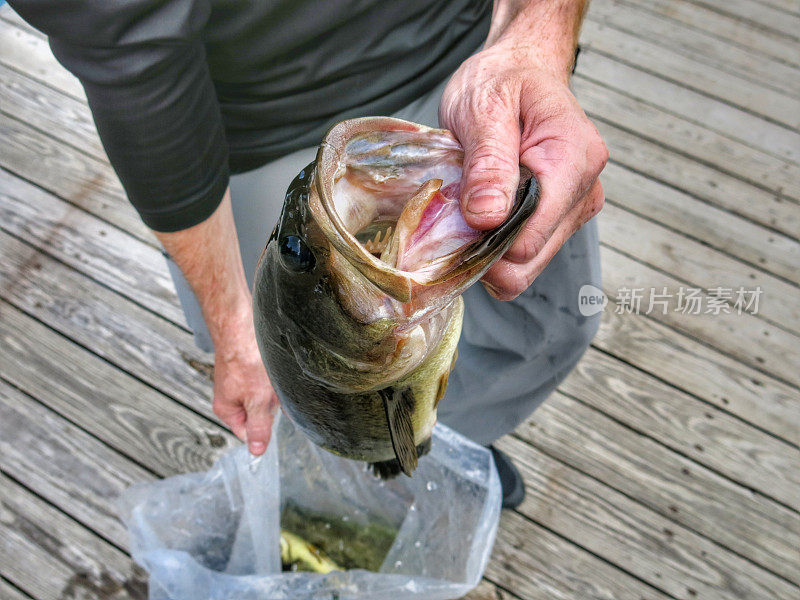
point(215, 535)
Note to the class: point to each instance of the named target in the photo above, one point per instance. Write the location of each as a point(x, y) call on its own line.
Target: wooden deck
point(666, 466)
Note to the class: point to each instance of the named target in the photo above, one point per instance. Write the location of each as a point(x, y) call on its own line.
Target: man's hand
point(243, 395)
point(208, 255)
point(509, 105)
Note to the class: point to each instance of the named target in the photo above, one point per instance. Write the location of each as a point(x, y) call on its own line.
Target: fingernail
point(257, 448)
point(486, 202)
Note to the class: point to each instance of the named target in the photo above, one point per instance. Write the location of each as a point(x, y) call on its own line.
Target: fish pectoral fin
point(443, 381)
point(399, 406)
point(441, 389)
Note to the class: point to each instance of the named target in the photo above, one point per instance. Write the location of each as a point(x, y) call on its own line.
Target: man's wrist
point(541, 34)
point(231, 326)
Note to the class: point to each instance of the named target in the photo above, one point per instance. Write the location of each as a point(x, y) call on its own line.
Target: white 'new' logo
point(591, 300)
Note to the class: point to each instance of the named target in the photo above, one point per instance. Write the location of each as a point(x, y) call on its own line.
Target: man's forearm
point(208, 255)
point(545, 31)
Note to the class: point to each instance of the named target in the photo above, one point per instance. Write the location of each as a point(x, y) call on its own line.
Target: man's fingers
point(507, 279)
point(233, 415)
point(259, 425)
point(491, 169)
point(548, 217)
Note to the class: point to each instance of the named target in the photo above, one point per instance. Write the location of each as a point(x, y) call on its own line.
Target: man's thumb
point(491, 174)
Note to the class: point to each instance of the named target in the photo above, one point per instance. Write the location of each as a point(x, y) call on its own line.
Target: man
point(184, 92)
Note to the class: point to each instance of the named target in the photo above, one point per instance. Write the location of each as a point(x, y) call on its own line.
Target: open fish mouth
point(388, 200)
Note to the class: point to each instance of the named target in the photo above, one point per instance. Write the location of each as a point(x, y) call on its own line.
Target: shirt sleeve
point(142, 64)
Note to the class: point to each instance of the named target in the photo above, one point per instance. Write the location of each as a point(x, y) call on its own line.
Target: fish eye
point(296, 255)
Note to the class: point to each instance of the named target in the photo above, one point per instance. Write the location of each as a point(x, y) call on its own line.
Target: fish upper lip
point(347, 239)
point(395, 282)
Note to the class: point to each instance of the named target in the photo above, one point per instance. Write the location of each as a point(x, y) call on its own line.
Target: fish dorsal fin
point(399, 405)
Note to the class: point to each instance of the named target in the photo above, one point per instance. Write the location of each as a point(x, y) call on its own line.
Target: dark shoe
point(510, 479)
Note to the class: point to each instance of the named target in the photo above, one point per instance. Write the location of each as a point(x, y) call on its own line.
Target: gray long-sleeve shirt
point(185, 91)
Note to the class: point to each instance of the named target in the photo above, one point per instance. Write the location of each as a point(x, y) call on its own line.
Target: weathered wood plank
point(694, 264)
point(64, 465)
point(51, 557)
point(683, 77)
point(697, 45)
point(123, 412)
point(707, 224)
point(488, 591)
point(710, 185)
point(10, 16)
point(788, 6)
point(761, 14)
point(672, 483)
point(625, 533)
point(29, 54)
point(152, 349)
point(125, 264)
point(737, 159)
point(91, 184)
point(60, 116)
point(69, 174)
point(778, 140)
point(704, 433)
point(702, 371)
point(698, 17)
point(8, 592)
point(542, 566)
point(744, 337)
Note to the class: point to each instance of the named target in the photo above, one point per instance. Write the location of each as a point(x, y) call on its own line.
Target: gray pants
point(511, 354)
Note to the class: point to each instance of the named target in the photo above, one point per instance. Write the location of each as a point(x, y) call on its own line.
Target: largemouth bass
point(357, 295)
